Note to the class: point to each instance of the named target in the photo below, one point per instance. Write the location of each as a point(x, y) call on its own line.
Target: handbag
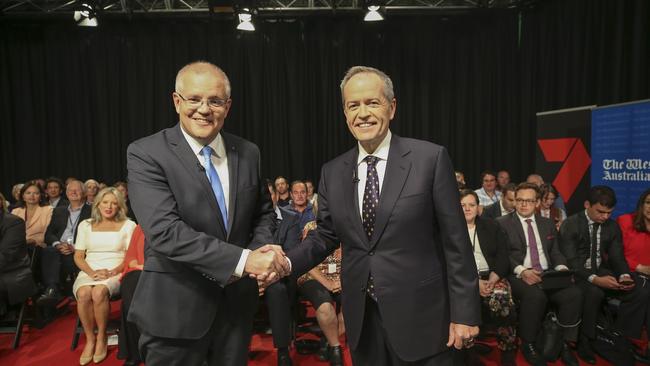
point(550, 340)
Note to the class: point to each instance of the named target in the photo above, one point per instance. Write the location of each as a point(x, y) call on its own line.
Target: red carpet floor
point(50, 346)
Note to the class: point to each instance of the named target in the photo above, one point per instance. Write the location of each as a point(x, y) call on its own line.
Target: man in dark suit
point(410, 287)
point(60, 236)
point(206, 215)
point(533, 250)
point(54, 189)
point(16, 281)
point(505, 205)
point(592, 244)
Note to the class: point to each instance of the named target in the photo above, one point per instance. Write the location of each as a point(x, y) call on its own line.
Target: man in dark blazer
point(16, 281)
point(505, 205)
point(410, 287)
point(206, 215)
point(592, 244)
point(60, 236)
point(526, 231)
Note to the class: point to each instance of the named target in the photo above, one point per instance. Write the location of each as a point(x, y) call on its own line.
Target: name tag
point(331, 268)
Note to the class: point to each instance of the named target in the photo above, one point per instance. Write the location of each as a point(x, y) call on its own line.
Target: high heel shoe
point(97, 358)
point(84, 360)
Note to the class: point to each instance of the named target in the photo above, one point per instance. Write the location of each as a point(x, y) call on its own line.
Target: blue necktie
point(215, 182)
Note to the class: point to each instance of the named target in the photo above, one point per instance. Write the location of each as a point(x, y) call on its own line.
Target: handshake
point(267, 265)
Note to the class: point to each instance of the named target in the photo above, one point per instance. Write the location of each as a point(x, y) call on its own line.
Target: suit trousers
point(225, 344)
point(52, 262)
point(630, 315)
point(129, 335)
point(374, 348)
point(279, 297)
point(533, 303)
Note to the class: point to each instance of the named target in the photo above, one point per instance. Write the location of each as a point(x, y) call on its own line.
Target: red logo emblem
point(576, 159)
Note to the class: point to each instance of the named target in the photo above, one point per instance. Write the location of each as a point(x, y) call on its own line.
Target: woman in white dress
point(101, 244)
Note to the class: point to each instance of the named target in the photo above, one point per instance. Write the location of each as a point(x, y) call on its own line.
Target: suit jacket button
point(371, 253)
point(363, 288)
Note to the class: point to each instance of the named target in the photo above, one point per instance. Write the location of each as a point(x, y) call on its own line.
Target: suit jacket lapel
point(397, 170)
point(233, 174)
point(184, 152)
point(516, 223)
point(350, 193)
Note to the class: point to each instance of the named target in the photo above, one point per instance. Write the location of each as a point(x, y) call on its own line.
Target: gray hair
point(389, 94)
point(81, 184)
point(200, 67)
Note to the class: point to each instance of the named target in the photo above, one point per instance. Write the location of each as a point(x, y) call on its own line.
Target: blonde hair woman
point(101, 244)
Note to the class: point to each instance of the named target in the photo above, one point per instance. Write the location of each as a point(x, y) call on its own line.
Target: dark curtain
point(74, 98)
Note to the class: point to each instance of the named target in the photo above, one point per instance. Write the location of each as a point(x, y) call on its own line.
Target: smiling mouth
point(365, 124)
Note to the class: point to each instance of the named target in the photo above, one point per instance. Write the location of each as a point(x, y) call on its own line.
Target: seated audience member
point(460, 179)
point(537, 180)
point(36, 217)
point(4, 204)
point(299, 205)
point(503, 178)
point(591, 243)
point(322, 287)
point(15, 194)
point(92, 187)
point(124, 189)
point(546, 208)
point(488, 194)
point(534, 249)
point(16, 281)
point(505, 205)
point(133, 264)
point(312, 196)
point(636, 247)
point(490, 247)
point(54, 190)
point(57, 258)
point(282, 188)
point(100, 248)
point(279, 296)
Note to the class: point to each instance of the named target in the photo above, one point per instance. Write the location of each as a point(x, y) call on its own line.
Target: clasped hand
point(267, 264)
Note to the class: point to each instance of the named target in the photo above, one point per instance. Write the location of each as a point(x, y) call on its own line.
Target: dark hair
point(55, 180)
point(526, 185)
point(297, 182)
point(31, 183)
point(121, 183)
point(547, 188)
point(280, 177)
point(487, 172)
point(603, 195)
point(639, 223)
point(510, 187)
point(468, 192)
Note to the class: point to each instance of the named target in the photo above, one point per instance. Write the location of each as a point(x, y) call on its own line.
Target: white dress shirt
point(362, 168)
point(219, 159)
point(543, 261)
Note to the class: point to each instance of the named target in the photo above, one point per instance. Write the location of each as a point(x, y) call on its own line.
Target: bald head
point(201, 67)
point(536, 179)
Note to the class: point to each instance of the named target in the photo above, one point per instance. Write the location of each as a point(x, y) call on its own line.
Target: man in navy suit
point(410, 288)
point(206, 215)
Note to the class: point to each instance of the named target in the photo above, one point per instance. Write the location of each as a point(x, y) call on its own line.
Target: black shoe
point(336, 356)
point(49, 299)
point(532, 355)
point(284, 359)
point(508, 358)
point(585, 352)
point(568, 358)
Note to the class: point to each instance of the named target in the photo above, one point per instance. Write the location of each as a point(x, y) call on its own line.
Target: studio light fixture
point(245, 20)
point(373, 14)
point(86, 16)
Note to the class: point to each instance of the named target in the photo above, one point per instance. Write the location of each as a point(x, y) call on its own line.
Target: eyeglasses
point(193, 102)
point(522, 202)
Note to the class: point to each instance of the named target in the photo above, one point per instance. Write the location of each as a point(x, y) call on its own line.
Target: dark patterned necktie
point(594, 246)
point(369, 209)
point(532, 247)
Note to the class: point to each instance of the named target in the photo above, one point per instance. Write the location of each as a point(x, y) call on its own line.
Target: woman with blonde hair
point(101, 245)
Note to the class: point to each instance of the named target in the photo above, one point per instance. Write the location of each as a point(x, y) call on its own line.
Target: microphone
point(201, 168)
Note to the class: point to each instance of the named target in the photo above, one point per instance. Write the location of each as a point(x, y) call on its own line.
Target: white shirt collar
point(217, 145)
point(381, 152)
point(523, 219)
point(589, 220)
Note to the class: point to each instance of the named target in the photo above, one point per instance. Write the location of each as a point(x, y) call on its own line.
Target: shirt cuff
point(624, 275)
point(561, 267)
point(518, 270)
point(591, 278)
point(56, 243)
point(239, 270)
point(290, 265)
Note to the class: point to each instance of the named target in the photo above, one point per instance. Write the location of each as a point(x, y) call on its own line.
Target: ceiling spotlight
point(245, 20)
point(373, 14)
point(86, 16)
